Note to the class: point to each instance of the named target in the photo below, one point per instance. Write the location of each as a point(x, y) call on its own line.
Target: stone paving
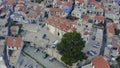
point(39, 57)
point(25, 62)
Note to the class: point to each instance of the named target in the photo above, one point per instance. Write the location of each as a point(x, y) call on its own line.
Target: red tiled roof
point(67, 3)
point(111, 28)
point(62, 2)
point(38, 10)
point(59, 2)
point(11, 2)
point(110, 12)
point(14, 41)
point(80, 1)
point(61, 23)
point(35, 12)
point(56, 10)
point(99, 18)
point(21, 7)
point(99, 6)
point(100, 62)
point(85, 18)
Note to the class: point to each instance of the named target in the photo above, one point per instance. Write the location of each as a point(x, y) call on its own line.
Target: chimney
point(14, 41)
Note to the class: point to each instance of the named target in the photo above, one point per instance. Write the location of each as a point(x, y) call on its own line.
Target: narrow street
point(104, 41)
point(5, 57)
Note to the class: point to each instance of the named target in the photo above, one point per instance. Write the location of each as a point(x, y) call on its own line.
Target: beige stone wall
point(15, 56)
point(55, 31)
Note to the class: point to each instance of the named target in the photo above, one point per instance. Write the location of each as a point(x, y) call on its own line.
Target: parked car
point(93, 38)
point(44, 36)
point(36, 50)
point(91, 52)
point(40, 24)
point(45, 56)
point(2, 37)
point(55, 42)
point(51, 58)
point(53, 46)
point(96, 46)
point(43, 25)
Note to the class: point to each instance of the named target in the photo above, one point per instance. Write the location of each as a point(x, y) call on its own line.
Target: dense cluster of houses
point(54, 13)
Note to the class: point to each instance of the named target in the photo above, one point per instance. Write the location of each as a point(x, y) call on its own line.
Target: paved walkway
point(26, 62)
point(36, 37)
point(39, 57)
point(89, 46)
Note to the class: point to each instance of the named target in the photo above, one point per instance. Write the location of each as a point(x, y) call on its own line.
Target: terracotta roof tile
point(110, 12)
point(61, 23)
point(85, 18)
point(21, 7)
point(59, 2)
point(36, 12)
point(100, 62)
point(67, 3)
point(99, 18)
point(80, 1)
point(56, 10)
point(11, 2)
point(14, 41)
point(99, 6)
point(111, 28)
point(64, 3)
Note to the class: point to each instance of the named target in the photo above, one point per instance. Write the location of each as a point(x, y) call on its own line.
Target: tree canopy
point(70, 48)
point(118, 60)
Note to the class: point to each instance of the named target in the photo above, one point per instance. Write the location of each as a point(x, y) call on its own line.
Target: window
point(73, 14)
point(58, 33)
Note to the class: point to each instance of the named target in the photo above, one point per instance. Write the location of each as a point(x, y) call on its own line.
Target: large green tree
point(70, 48)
